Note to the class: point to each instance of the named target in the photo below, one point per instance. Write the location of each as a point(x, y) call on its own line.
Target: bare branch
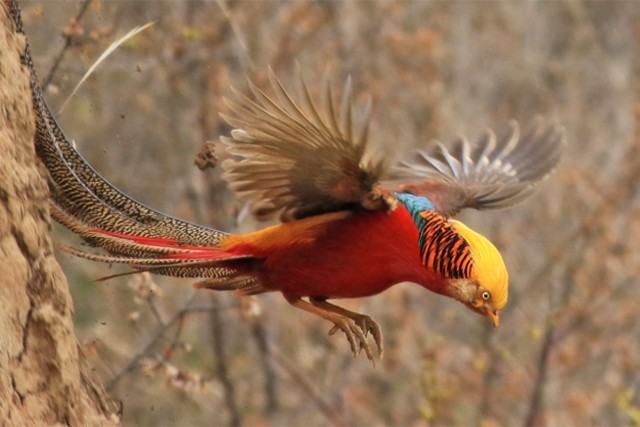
point(67, 44)
point(222, 369)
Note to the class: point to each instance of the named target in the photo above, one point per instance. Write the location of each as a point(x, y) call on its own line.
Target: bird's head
point(485, 291)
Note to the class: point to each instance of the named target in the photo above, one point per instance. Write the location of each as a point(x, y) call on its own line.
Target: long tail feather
point(82, 193)
point(105, 217)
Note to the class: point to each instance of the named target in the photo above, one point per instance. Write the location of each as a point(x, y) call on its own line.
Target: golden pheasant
point(342, 235)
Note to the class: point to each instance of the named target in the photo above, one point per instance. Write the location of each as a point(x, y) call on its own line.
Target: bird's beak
point(494, 316)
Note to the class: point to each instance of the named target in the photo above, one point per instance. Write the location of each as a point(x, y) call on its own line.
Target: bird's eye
point(486, 295)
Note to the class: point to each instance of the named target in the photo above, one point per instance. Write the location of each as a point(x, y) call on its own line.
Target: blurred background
point(568, 350)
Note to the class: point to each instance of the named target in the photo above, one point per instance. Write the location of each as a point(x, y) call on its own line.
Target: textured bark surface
point(44, 378)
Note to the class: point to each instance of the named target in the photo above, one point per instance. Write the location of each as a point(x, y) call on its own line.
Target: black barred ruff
point(442, 249)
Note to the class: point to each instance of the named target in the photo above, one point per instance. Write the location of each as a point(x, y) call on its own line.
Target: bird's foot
point(356, 335)
point(367, 324)
point(355, 326)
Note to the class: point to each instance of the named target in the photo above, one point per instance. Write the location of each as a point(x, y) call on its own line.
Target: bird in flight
point(342, 233)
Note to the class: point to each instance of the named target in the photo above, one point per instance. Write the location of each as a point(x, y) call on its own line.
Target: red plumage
point(357, 255)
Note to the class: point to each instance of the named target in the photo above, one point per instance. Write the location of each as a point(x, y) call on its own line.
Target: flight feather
point(299, 158)
point(489, 173)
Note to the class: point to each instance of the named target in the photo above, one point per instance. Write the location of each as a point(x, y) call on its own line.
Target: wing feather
point(299, 157)
point(489, 173)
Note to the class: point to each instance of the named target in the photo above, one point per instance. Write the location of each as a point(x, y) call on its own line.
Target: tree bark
point(44, 377)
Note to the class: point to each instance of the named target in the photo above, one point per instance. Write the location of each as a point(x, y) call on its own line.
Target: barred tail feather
point(243, 285)
point(130, 232)
point(84, 194)
point(158, 255)
point(216, 276)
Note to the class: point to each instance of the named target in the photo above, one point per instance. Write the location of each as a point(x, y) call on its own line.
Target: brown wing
point(489, 173)
point(297, 158)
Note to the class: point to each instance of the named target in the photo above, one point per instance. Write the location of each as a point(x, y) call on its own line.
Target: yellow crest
point(489, 269)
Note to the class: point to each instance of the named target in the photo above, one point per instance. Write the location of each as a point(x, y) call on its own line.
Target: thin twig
point(536, 402)
point(145, 351)
point(244, 50)
point(222, 369)
point(491, 373)
point(154, 309)
point(334, 416)
point(270, 390)
point(67, 44)
point(178, 316)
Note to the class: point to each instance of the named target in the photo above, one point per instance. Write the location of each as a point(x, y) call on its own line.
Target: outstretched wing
point(489, 173)
point(299, 158)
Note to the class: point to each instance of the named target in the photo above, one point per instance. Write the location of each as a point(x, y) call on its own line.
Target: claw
point(344, 326)
point(368, 352)
point(367, 324)
point(356, 336)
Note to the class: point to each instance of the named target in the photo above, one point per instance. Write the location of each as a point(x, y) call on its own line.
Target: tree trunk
point(44, 378)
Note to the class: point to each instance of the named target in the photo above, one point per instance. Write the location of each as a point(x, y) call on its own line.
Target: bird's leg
point(354, 333)
point(364, 322)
